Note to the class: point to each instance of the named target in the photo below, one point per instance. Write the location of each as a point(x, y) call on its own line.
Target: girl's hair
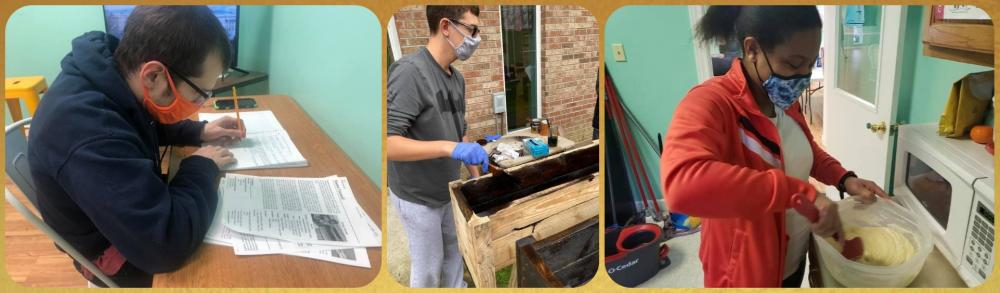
point(770, 25)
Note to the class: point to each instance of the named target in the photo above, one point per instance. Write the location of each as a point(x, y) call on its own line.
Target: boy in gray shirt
point(426, 143)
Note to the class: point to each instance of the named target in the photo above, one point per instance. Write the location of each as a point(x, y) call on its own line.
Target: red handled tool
point(853, 248)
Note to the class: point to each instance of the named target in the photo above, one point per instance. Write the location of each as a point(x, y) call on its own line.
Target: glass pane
point(519, 49)
point(932, 190)
point(861, 28)
point(723, 53)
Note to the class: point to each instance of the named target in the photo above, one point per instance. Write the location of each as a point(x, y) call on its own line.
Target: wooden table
point(218, 266)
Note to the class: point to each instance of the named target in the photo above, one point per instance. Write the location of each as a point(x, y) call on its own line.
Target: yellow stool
point(25, 88)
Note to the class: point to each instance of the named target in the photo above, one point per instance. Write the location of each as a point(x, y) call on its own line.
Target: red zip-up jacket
point(722, 162)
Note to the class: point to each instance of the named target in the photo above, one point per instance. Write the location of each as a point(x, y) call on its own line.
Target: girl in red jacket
point(738, 148)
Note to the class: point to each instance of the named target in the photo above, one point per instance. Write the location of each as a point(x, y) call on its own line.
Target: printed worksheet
point(267, 144)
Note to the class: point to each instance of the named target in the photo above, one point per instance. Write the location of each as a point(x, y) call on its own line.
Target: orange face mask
point(181, 108)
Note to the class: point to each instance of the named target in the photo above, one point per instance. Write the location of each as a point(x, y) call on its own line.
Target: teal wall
point(926, 81)
point(658, 72)
point(329, 58)
point(38, 37)
point(326, 57)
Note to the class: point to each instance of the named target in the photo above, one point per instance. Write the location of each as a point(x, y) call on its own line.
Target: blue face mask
point(784, 90)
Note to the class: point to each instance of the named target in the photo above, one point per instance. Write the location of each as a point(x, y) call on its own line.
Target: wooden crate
point(567, 259)
point(537, 199)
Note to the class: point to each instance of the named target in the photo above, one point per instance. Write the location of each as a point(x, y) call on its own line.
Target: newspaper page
point(245, 244)
point(309, 210)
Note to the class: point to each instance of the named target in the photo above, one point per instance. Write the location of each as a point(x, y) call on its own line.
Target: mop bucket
point(636, 254)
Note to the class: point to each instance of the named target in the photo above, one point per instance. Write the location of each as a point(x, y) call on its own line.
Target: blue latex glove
point(471, 153)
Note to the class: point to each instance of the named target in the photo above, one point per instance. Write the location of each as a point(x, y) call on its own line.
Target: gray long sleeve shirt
point(424, 103)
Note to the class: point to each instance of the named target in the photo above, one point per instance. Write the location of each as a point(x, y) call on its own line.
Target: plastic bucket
point(881, 213)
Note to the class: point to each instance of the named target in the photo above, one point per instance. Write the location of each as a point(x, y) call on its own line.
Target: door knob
point(877, 128)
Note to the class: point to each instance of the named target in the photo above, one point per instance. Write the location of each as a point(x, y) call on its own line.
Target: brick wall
point(569, 66)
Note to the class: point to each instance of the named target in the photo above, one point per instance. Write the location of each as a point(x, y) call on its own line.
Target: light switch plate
point(619, 51)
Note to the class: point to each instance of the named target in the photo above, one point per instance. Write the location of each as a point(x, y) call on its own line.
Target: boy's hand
point(221, 156)
point(223, 131)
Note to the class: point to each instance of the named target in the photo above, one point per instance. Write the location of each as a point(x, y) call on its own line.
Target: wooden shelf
point(962, 41)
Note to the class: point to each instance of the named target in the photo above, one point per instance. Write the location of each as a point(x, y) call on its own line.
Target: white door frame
point(397, 51)
point(538, 65)
point(538, 59)
point(702, 53)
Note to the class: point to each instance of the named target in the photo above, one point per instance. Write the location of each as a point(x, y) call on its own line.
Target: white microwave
point(949, 184)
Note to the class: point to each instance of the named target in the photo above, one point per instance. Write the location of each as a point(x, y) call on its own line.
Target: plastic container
point(881, 213)
point(536, 147)
point(633, 254)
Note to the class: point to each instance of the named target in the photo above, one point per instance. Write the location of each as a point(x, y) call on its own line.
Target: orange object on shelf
point(981, 134)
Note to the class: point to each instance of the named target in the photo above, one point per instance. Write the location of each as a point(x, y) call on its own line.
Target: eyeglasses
point(203, 93)
point(473, 28)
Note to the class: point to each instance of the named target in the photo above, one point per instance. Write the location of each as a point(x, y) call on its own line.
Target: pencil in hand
point(236, 107)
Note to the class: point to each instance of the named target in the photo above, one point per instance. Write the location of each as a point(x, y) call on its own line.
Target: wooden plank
point(503, 253)
point(959, 55)
point(483, 268)
point(566, 247)
point(531, 268)
point(581, 271)
point(969, 37)
point(544, 204)
point(568, 258)
point(572, 255)
point(458, 200)
point(539, 207)
point(491, 192)
point(469, 230)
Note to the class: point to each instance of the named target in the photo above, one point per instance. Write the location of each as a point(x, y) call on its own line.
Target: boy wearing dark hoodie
point(95, 138)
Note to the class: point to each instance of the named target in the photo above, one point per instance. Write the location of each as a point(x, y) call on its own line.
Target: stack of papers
point(267, 144)
point(317, 218)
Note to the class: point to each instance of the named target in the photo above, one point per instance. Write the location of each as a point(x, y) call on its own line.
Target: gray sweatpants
point(435, 261)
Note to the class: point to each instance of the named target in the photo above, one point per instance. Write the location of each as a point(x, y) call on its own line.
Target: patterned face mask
point(784, 90)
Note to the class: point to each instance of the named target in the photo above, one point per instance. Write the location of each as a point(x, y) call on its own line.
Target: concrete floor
point(684, 270)
point(399, 250)
point(398, 256)
point(685, 267)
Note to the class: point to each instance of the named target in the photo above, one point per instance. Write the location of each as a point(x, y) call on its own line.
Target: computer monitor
point(229, 15)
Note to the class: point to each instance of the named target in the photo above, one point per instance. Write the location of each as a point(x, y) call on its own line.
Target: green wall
point(658, 72)
point(38, 37)
point(926, 81)
point(329, 58)
point(326, 57)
